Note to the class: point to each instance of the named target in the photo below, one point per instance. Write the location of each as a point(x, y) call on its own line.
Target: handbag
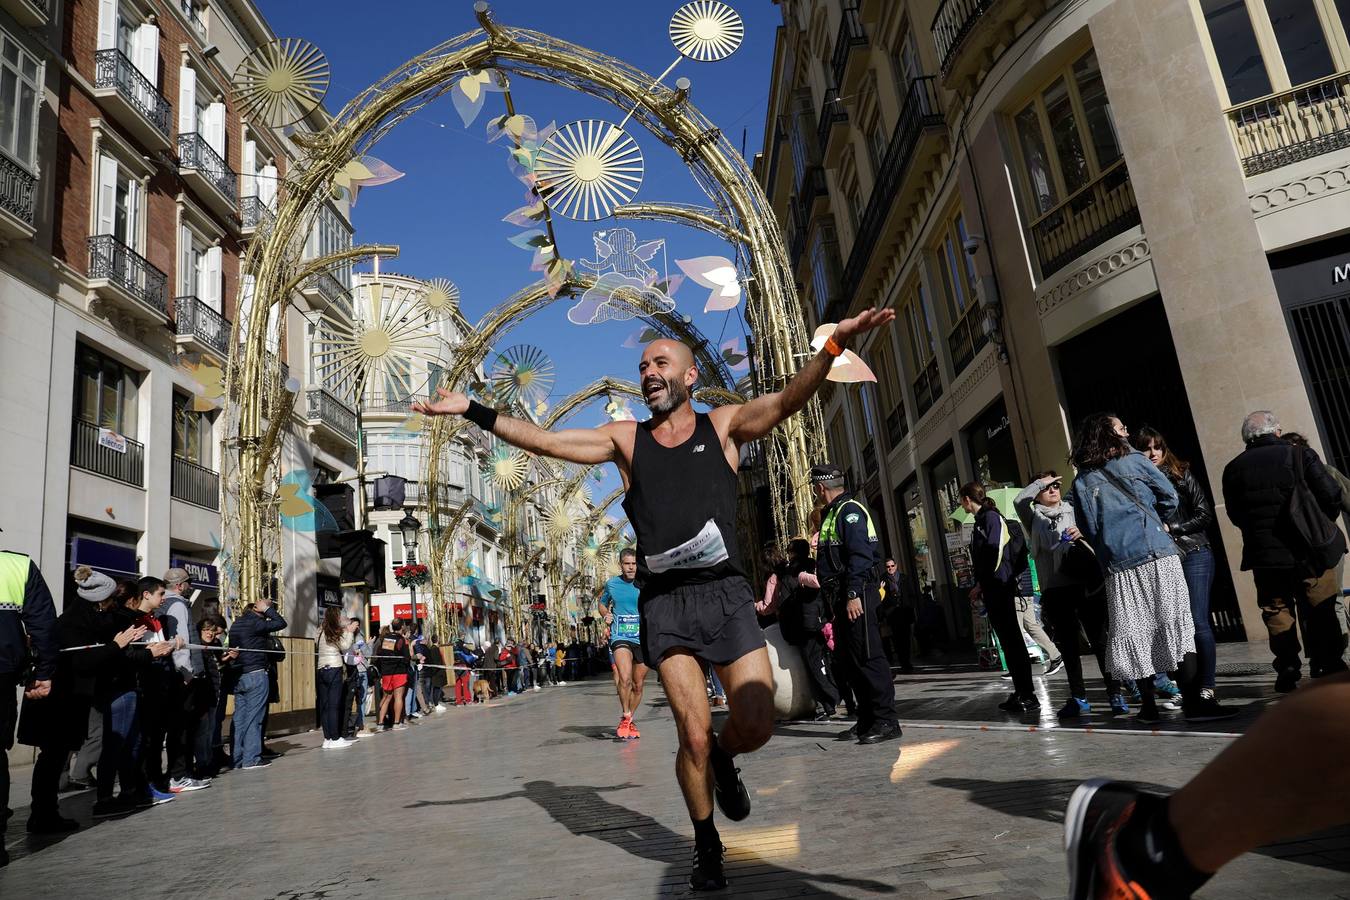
point(1322, 541)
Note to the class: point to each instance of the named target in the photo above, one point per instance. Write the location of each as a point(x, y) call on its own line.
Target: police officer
point(848, 565)
point(28, 654)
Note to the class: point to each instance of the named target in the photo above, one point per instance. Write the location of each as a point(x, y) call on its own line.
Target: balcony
point(207, 174)
point(326, 292)
point(1296, 125)
point(832, 112)
point(194, 484)
point(325, 412)
point(967, 338)
point(927, 388)
point(18, 187)
point(415, 495)
point(122, 276)
point(1096, 212)
point(29, 13)
point(850, 35)
point(105, 452)
point(919, 117)
point(255, 215)
point(200, 329)
point(131, 99)
point(375, 404)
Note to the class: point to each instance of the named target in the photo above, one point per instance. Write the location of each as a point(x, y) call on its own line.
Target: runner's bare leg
point(682, 678)
point(749, 685)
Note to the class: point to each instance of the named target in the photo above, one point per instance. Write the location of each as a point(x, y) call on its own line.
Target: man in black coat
point(1257, 485)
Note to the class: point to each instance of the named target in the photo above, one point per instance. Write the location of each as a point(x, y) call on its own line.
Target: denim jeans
point(250, 702)
point(121, 746)
point(1198, 567)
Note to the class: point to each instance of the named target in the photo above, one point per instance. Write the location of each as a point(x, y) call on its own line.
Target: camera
point(972, 244)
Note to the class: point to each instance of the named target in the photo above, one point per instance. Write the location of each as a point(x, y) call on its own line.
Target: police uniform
point(27, 626)
point(849, 565)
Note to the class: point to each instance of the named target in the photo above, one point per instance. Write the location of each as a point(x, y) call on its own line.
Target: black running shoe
point(707, 873)
point(732, 797)
point(882, 731)
point(848, 735)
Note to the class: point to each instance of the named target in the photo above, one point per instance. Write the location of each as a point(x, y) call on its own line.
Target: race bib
point(703, 550)
point(627, 626)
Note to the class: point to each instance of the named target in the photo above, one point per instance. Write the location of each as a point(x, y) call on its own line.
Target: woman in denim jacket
point(1121, 500)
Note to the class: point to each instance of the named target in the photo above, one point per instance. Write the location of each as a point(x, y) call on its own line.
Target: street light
point(410, 526)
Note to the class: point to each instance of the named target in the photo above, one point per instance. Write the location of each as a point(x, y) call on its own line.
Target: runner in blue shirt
point(619, 606)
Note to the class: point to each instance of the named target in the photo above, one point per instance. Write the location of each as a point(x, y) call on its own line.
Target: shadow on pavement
point(1044, 799)
point(594, 732)
point(582, 811)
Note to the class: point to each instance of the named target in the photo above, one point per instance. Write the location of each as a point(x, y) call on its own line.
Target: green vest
point(829, 531)
point(13, 581)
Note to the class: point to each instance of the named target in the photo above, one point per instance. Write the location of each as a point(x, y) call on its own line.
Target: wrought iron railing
point(111, 259)
point(105, 452)
point(927, 388)
point(831, 111)
point(195, 153)
point(194, 484)
point(332, 291)
point(255, 213)
point(113, 70)
point(1094, 213)
point(193, 15)
point(323, 407)
point(194, 318)
point(18, 188)
point(1294, 125)
point(967, 338)
point(897, 426)
point(850, 35)
point(415, 494)
point(921, 111)
point(954, 20)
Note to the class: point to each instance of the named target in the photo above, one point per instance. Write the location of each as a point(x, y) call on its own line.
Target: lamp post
point(411, 527)
point(535, 617)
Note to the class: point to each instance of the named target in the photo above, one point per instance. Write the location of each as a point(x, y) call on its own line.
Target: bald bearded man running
point(679, 474)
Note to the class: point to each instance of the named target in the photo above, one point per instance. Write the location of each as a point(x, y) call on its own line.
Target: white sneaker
point(439, 708)
point(401, 726)
point(562, 683)
point(538, 688)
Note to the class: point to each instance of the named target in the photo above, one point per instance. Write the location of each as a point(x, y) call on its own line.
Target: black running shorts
point(714, 620)
point(632, 647)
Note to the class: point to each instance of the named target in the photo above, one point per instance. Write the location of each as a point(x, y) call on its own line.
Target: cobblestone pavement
point(532, 797)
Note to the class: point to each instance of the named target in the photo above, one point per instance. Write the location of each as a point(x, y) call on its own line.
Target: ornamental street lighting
point(411, 527)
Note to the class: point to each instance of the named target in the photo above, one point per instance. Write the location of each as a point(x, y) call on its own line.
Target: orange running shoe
point(633, 733)
point(1096, 812)
point(624, 729)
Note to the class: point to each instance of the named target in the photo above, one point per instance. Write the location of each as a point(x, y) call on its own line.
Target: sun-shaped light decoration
point(706, 30)
point(507, 467)
point(562, 517)
point(595, 551)
point(522, 374)
point(281, 82)
point(587, 168)
point(377, 351)
point(441, 296)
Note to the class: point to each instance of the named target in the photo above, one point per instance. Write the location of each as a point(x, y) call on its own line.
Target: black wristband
point(482, 416)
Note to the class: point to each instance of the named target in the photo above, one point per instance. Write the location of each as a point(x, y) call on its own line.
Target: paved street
point(530, 797)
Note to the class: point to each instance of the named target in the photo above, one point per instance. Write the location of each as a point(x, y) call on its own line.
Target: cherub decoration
point(618, 250)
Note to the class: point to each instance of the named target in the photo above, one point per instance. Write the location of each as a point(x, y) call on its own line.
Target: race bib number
point(627, 626)
point(705, 549)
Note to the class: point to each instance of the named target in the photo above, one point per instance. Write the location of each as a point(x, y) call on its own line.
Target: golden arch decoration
point(741, 210)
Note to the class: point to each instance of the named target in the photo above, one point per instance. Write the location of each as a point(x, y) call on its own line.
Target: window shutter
point(215, 128)
point(107, 195)
point(187, 100)
point(107, 24)
point(147, 53)
point(187, 279)
point(244, 308)
point(211, 274)
point(267, 186)
point(273, 338)
point(248, 184)
point(134, 215)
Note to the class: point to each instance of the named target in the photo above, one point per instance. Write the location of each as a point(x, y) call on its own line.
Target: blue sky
point(446, 213)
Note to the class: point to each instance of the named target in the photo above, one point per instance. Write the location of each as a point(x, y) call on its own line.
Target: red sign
point(401, 611)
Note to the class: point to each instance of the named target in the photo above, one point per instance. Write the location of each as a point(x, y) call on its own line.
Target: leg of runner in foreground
point(1126, 843)
point(679, 473)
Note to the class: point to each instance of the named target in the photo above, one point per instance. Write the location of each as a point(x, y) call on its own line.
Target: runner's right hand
point(450, 403)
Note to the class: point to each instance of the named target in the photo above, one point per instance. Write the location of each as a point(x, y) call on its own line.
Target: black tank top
point(681, 502)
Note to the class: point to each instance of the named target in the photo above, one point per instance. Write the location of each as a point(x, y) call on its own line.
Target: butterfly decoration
point(848, 366)
point(618, 411)
point(644, 335)
point(717, 273)
point(210, 378)
point(470, 91)
point(734, 355)
point(300, 510)
point(364, 171)
point(413, 424)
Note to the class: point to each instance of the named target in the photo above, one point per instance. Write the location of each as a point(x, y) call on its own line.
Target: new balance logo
point(698, 448)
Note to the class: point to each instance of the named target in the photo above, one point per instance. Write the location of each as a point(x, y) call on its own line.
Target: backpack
point(1015, 551)
point(1323, 543)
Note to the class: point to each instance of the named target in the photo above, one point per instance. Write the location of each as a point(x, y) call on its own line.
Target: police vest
point(13, 581)
point(829, 531)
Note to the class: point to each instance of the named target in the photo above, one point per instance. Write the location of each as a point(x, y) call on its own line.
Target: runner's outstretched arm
point(578, 445)
point(753, 420)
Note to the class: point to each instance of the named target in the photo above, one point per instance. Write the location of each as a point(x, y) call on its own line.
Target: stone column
point(1232, 342)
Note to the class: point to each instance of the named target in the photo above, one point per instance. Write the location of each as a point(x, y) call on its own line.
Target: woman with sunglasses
point(1069, 598)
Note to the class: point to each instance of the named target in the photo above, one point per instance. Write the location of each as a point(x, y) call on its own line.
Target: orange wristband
point(832, 347)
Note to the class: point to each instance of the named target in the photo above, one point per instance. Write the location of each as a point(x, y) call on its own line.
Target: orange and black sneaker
point(1097, 811)
point(633, 733)
point(624, 729)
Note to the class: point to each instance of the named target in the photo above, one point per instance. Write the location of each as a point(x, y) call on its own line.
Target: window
point(1268, 46)
point(917, 314)
point(119, 203)
point(876, 144)
point(192, 438)
point(1066, 135)
point(802, 133)
point(905, 61)
point(824, 267)
point(105, 391)
point(20, 88)
point(958, 280)
point(889, 393)
point(199, 268)
point(329, 234)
